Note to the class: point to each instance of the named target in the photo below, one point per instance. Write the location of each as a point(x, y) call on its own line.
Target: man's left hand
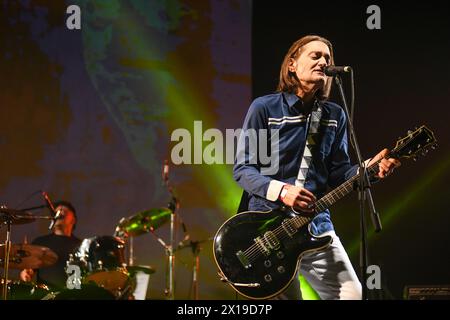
point(386, 166)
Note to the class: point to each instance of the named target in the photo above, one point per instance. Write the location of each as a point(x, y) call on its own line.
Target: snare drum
point(102, 261)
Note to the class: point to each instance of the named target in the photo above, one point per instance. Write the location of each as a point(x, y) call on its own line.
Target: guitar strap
point(313, 123)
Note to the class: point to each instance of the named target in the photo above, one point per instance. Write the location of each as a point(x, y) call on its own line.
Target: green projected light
point(132, 45)
point(408, 199)
point(308, 293)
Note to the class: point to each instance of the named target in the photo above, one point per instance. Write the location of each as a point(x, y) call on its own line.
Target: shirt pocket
point(327, 138)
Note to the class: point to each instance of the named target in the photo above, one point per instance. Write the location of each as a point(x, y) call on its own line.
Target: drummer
point(62, 241)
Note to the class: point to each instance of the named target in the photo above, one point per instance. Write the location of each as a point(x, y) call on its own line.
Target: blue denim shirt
point(330, 165)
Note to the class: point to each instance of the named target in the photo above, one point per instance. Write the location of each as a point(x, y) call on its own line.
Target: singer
point(313, 155)
point(62, 241)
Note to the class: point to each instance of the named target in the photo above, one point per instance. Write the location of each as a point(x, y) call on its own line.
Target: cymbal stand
point(9, 221)
point(170, 249)
point(196, 268)
point(6, 262)
point(131, 251)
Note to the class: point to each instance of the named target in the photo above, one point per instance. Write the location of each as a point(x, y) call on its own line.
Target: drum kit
point(26, 256)
point(104, 271)
point(97, 268)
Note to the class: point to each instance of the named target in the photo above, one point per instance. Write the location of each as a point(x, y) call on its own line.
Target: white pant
point(329, 272)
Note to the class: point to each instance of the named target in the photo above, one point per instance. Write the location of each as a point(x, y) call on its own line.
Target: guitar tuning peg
point(424, 152)
point(434, 146)
point(414, 158)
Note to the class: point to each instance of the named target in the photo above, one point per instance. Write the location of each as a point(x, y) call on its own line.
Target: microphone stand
point(170, 249)
point(364, 192)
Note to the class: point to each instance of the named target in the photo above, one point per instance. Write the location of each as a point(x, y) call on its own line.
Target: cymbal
point(144, 269)
point(16, 216)
point(143, 222)
point(28, 256)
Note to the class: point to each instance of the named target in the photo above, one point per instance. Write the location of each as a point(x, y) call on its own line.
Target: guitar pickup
point(261, 246)
point(243, 259)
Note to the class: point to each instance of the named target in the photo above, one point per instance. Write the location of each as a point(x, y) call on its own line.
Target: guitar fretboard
point(335, 195)
point(344, 189)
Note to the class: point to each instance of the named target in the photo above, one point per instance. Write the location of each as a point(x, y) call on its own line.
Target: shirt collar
point(293, 102)
point(291, 99)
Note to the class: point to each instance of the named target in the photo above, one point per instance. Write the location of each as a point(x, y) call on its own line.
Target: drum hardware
point(174, 205)
point(196, 248)
point(140, 275)
point(138, 224)
point(101, 261)
point(170, 248)
point(10, 217)
point(131, 252)
point(142, 222)
point(147, 222)
point(20, 290)
point(145, 269)
point(87, 291)
point(28, 256)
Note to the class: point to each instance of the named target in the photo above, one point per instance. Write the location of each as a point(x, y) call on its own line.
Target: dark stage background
point(87, 115)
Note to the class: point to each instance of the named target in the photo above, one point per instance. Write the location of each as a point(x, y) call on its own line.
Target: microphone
point(334, 70)
point(57, 216)
point(51, 207)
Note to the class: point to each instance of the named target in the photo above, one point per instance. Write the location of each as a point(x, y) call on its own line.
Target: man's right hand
point(298, 198)
point(26, 275)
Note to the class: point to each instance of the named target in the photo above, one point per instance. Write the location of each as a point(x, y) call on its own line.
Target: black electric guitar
point(259, 253)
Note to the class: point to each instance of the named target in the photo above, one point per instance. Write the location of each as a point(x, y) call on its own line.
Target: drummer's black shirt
point(55, 275)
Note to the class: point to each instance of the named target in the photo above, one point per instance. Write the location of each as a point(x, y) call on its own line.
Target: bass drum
point(20, 290)
point(86, 292)
point(102, 262)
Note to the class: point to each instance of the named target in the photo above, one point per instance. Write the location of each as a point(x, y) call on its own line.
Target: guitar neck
point(407, 147)
point(333, 196)
point(344, 189)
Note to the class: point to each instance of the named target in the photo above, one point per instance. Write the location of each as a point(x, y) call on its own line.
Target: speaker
point(431, 292)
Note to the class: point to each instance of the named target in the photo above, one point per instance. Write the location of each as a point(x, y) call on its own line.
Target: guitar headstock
point(417, 142)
